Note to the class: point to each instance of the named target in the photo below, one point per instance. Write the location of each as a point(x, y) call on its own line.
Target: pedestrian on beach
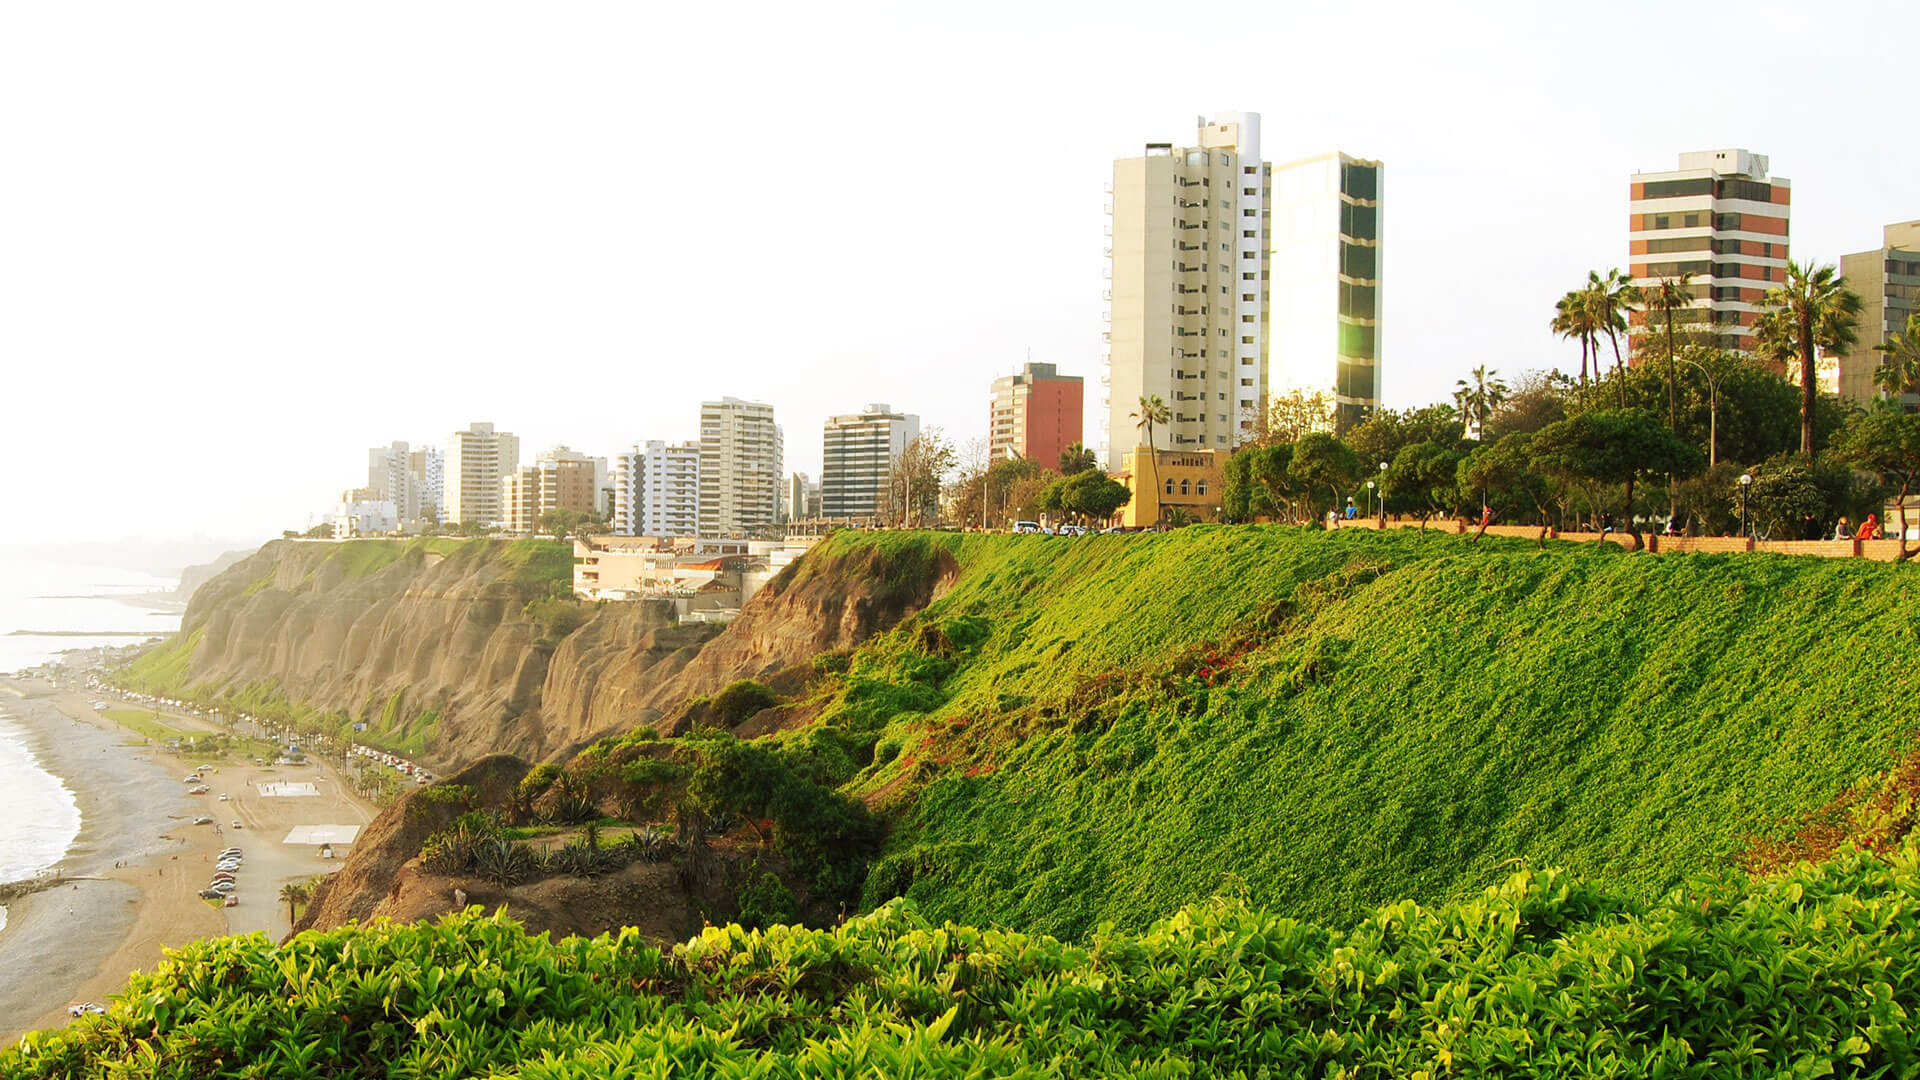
point(1843, 531)
point(1870, 528)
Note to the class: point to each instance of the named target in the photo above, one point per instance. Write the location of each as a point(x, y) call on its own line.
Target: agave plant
point(503, 862)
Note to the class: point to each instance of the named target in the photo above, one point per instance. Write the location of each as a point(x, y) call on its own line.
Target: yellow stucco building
point(1192, 480)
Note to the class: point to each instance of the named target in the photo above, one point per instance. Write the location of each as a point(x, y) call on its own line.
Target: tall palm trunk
point(1583, 362)
point(1673, 411)
point(1617, 376)
point(1806, 386)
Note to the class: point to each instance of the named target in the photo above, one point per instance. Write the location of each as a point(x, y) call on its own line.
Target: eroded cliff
point(452, 650)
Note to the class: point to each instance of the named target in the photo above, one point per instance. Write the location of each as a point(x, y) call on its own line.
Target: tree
point(1814, 310)
point(1090, 494)
point(1320, 459)
point(916, 477)
point(1478, 399)
point(1383, 435)
point(1285, 418)
point(1536, 399)
point(560, 524)
point(1901, 368)
point(1573, 317)
point(1502, 475)
point(1611, 297)
point(1665, 297)
point(1618, 447)
point(1782, 496)
point(1010, 489)
point(1152, 411)
point(1423, 476)
point(967, 489)
point(1077, 459)
point(294, 893)
point(1887, 442)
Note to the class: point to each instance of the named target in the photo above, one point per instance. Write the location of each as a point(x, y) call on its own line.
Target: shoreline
point(140, 862)
point(133, 823)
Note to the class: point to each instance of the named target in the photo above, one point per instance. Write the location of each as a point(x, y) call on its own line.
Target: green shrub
point(1810, 974)
point(767, 902)
point(742, 699)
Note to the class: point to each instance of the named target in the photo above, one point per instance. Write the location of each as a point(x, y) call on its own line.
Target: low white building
point(362, 513)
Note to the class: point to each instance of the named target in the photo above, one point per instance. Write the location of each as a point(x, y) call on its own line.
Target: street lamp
point(1746, 480)
point(1383, 494)
point(1713, 412)
point(1370, 487)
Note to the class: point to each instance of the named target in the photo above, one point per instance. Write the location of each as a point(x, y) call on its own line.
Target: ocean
point(45, 608)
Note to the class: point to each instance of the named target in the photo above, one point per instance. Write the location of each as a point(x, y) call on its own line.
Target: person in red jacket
point(1870, 528)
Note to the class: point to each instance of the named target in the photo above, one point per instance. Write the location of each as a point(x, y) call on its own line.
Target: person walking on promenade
point(1843, 531)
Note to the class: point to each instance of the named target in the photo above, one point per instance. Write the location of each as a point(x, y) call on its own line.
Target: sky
point(240, 243)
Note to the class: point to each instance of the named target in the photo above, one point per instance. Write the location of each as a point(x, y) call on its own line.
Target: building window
point(1357, 261)
point(1248, 233)
point(1671, 189)
point(1200, 487)
point(1248, 169)
point(1169, 485)
point(1247, 213)
point(1183, 488)
point(1360, 181)
point(1246, 318)
point(1244, 277)
point(1246, 340)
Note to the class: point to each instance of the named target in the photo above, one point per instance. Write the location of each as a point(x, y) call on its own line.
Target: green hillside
point(1108, 728)
point(1813, 974)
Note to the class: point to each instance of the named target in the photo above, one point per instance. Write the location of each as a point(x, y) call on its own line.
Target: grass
point(144, 723)
point(1413, 717)
point(162, 670)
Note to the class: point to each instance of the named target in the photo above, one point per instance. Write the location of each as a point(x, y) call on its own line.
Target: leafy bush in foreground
point(1813, 973)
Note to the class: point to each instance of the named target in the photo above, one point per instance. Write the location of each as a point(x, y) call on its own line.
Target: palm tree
point(294, 893)
point(1479, 398)
point(1901, 368)
point(1667, 296)
point(1152, 411)
point(1572, 319)
point(1611, 297)
point(1813, 310)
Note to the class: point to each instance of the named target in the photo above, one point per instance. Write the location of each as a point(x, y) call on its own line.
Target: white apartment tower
point(425, 471)
point(390, 478)
point(1187, 295)
point(740, 470)
point(857, 454)
point(656, 490)
point(1326, 283)
point(477, 460)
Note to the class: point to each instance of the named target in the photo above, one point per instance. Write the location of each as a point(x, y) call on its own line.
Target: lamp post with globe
point(1746, 481)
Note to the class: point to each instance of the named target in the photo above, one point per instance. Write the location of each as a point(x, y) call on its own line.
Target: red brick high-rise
point(1036, 414)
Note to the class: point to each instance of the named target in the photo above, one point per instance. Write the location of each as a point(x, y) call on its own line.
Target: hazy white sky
point(242, 242)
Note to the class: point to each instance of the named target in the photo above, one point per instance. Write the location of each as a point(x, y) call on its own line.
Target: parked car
point(237, 825)
point(203, 820)
point(1065, 530)
point(231, 901)
point(223, 796)
point(1027, 527)
point(83, 1008)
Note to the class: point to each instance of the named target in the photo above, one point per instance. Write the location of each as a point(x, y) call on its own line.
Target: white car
point(223, 796)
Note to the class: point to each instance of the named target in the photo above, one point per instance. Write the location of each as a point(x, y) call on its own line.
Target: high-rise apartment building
point(558, 479)
point(390, 478)
point(1722, 220)
point(856, 456)
point(657, 490)
point(739, 468)
point(425, 471)
point(1326, 266)
point(477, 460)
point(408, 478)
point(1888, 281)
point(798, 504)
point(1035, 414)
point(1187, 297)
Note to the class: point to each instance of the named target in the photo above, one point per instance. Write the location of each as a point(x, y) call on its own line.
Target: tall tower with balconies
point(1187, 289)
point(1722, 221)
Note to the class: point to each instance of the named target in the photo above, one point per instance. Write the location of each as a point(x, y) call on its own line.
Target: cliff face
point(430, 641)
point(433, 642)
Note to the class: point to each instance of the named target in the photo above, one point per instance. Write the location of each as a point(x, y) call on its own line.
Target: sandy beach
point(140, 862)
